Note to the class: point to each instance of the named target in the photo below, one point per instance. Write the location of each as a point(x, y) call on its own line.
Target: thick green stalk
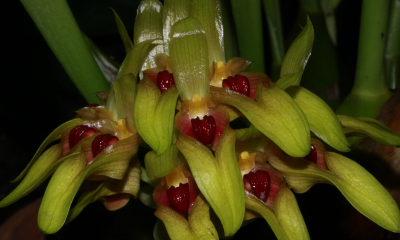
point(272, 10)
point(369, 92)
point(60, 30)
point(248, 23)
point(392, 52)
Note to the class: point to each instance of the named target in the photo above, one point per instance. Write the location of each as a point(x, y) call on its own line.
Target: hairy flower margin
point(239, 173)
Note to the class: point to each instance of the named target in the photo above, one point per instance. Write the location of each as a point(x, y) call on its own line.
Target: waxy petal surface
point(323, 121)
point(275, 114)
point(368, 127)
point(160, 165)
point(218, 178)
point(189, 58)
point(123, 33)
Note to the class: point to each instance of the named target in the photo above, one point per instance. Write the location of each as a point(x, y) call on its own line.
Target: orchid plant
point(176, 95)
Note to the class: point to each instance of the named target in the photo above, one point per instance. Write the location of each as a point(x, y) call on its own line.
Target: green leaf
point(209, 13)
point(148, 25)
point(173, 11)
point(323, 121)
point(154, 115)
point(112, 162)
point(218, 178)
point(57, 25)
point(368, 127)
point(123, 33)
point(275, 114)
point(255, 204)
point(160, 165)
point(53, 136)
point(297, 56)
point(189, 58)
point(129, 184)
point(136, 57)
point(289, 215)
point(364, 192)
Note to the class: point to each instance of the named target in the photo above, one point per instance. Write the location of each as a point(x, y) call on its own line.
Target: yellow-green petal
point(189, 58)
point(323, 121)
point(275, 114)
point(296, 57)
point(368, 127)
point(53, 136)
point(160, 165)
point(123, 33)
point(210, 15)
point(218, 178)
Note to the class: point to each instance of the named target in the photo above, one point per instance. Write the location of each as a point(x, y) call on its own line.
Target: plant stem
point(272, 10)
point(248, 23)
point(369, 74)
point(61, 32)
point(392, 53)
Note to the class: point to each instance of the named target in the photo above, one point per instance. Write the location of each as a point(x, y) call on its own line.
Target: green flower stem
point(248, 23)
point(392, 52)
point(369, 92)
point(58, 27)
point(272, 10)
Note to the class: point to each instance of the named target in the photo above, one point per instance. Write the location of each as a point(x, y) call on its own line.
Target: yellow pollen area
point(175, 177)
point(246, 162)
point(123, 131)
point(198, 107)
point(219, 74)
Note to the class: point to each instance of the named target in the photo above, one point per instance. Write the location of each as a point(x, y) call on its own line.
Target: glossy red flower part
point(239, 84)
point(165, 80)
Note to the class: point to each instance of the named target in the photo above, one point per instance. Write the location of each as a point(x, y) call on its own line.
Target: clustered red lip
point(313, 155)
point(93, 105)
point(239, 84)
point(258, 183)
point(179, 197)
point(165, 80)
point(101, 142)
point(79, 132)
point(204, 129)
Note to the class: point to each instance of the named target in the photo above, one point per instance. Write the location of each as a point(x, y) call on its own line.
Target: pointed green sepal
point(296, 57)
point(323, 121)
point(275, 114)
point(289, 215)
point(148, 25)
point(218, 178)
point(209, 13)
point(256, 205)
point(130, 184)
point(189, 58)
point(154, 114)
point(368, 127)
point(135, 58)
point(53, 136)
point(198, 225)
point(124, 90)
point(160, 165)
point(364, 192)
point(112, 162)
point(123, 33)
point(35, 176)
point(174, 10)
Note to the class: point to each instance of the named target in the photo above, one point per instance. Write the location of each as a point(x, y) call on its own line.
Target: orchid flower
point(176, 95)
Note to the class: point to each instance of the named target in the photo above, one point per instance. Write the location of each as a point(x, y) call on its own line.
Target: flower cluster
point(175, 94)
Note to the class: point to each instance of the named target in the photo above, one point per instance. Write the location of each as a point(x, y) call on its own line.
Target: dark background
point(38, 96)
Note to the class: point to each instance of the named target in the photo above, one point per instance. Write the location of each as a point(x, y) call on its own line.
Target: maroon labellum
point(239, 84)
point(313, 155)
point(101, 142)
point(204, 129)
point(93, 105)
point(165, 80)
point(179, 197)
point(79, 132)
point(258, 183)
